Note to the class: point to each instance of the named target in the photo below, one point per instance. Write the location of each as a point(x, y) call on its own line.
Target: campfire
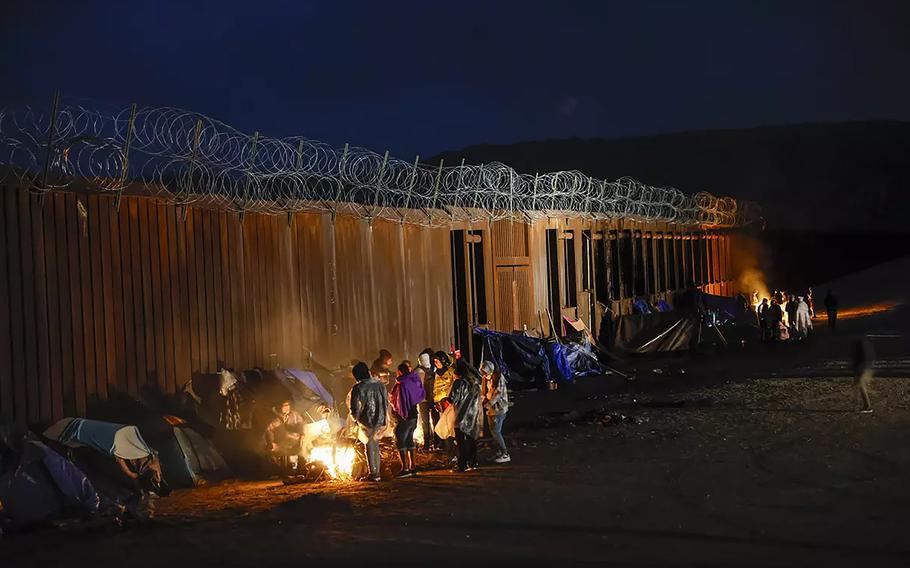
point(337, 459)
point(322, 444)
point(337, 455)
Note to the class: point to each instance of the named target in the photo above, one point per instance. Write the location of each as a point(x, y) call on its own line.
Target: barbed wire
point(188, 159)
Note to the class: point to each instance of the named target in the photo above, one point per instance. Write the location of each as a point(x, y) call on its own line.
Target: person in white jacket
point(803, 319)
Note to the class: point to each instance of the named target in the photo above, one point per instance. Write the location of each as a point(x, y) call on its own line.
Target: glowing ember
point(338, 460)
point(858, 312)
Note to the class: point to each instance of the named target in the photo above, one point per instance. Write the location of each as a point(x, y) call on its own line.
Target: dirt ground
point(753, 458)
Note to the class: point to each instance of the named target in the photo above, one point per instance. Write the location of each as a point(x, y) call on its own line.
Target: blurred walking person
point(831, 306)
point(863, 371)
point(369, 405)
point(496, 401)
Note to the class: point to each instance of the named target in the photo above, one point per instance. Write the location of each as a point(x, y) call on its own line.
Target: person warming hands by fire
point(369, 405)
point(382, 367)
point(285, 434)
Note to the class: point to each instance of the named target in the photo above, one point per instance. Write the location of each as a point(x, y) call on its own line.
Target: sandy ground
point(753, 458)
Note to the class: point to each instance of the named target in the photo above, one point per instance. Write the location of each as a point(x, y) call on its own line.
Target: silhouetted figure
point(775, 317)
point(763, 322)
point(792, 307)
point(863, 363)
point(831, 306)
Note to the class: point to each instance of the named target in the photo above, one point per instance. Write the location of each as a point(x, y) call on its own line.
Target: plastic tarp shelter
point(573, 357)
point(45, 486)
point(665, 334)
point(522, 360)
point(117, 440)
point(308, 379)
point(530, 362)
point(699, 318)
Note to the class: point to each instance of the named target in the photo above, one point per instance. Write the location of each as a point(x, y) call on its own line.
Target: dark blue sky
point(422, 77)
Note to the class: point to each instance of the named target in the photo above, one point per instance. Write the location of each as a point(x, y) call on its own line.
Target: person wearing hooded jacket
point(405, 396)
point(445, 376)
point(496, 401)
point(369, 405)
point(466, 398)
point(442, 386)
point(803, 319)
point(426, 410)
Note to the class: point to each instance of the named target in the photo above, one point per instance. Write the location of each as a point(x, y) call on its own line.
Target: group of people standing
point(786, 317)
point(440, 388)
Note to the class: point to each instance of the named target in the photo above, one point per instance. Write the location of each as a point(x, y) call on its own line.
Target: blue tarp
point(520, 359)
point(528, 361)
point(559, 362)
point(309, 379)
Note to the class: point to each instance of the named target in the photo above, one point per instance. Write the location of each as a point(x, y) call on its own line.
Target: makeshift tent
point(117, 440)
point(700, 320)
point(104, 450)
point(674, 332)
point(45, 486)
point(186, 457)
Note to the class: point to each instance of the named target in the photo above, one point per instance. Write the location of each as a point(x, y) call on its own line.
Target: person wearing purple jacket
point(407, 393)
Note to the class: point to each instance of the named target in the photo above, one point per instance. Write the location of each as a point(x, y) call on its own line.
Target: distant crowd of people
point(787, 316)
point(446, 394)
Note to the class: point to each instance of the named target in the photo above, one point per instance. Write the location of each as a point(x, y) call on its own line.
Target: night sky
point(423, 77)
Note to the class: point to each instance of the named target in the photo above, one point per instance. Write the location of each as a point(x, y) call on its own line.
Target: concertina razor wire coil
point(189, 159)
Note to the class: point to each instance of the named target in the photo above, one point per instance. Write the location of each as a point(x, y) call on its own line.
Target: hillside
point(852, 176)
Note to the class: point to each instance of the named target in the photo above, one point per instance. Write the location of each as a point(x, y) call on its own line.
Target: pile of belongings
point(38, 485)
point(222, 400)
point(530, 362)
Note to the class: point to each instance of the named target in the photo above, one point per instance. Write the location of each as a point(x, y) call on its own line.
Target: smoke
point(751, 280)
point(749, 259)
